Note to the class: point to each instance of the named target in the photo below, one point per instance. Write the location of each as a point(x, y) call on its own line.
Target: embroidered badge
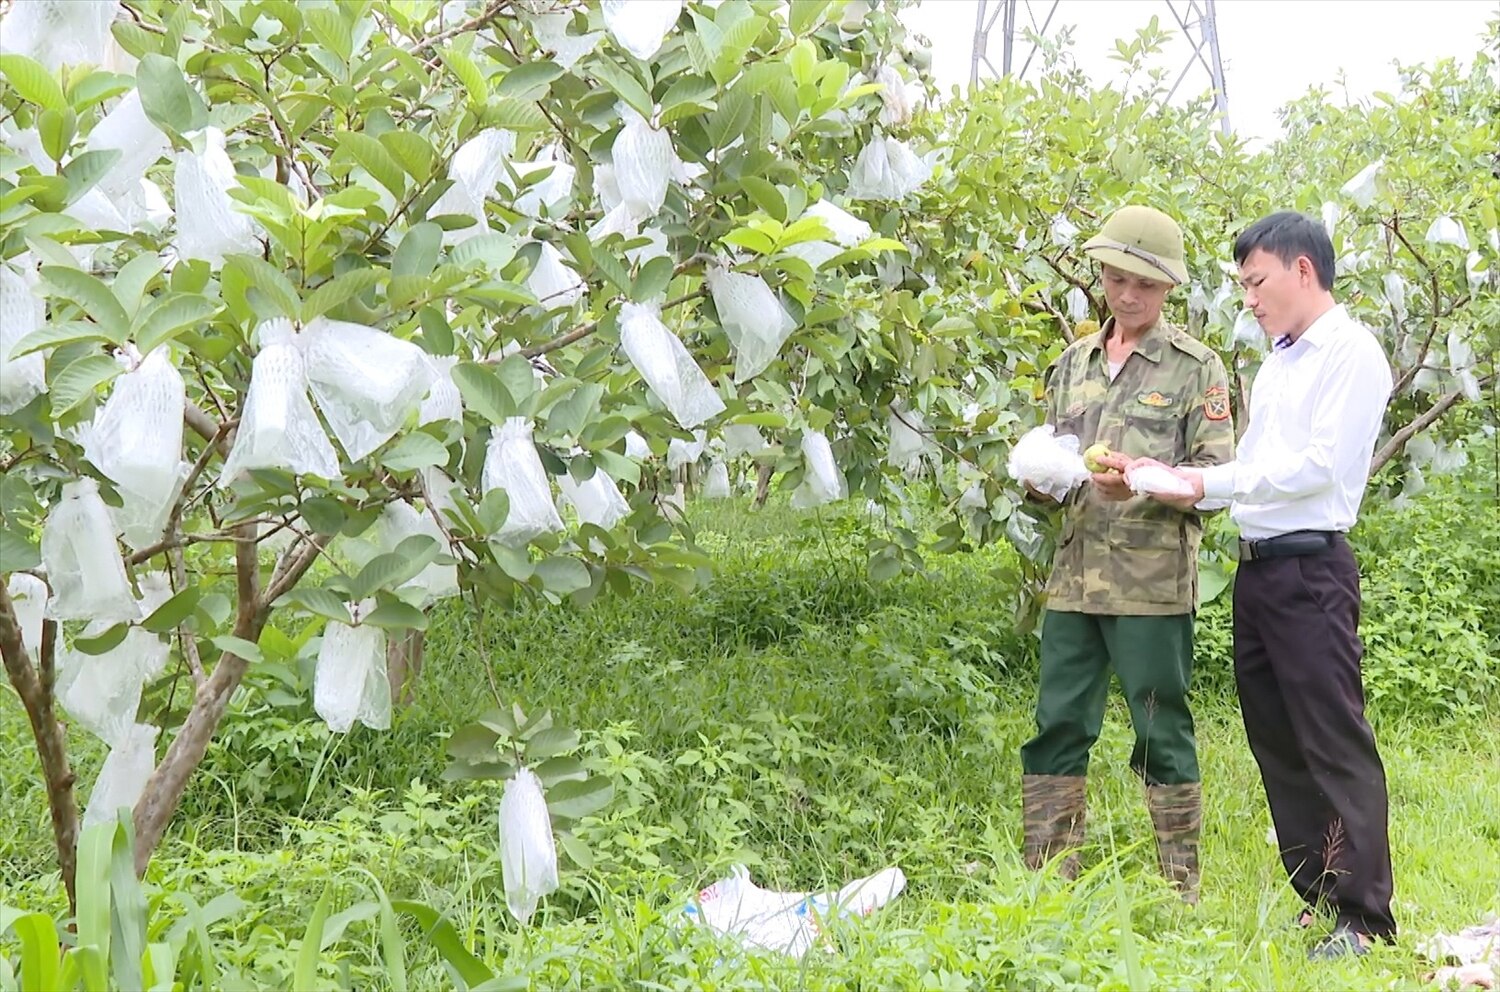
point(1154, 398)
point(1216, 403)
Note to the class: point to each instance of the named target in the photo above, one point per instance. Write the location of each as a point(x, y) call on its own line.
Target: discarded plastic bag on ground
point(279, 428)
point(351, 682)
point(444, 402)
point(640, 26)
point(366, 382)
point(22, 312)
point(123, 776)
point(597, 500)
point(60, 32)
point(1469, 957)
point(1447, 231)
point(83, 562)
point(680, 452)
point(642, 159)
point(743, 439)
point(511, 463)
point(136, 441)
point(756, 322)
point(28, 595)
point(665, 364)
point(1158, 481)
point(1361, 189)
point(554, 285)
point(716, 484)
point(1048, 462)
point(208, 225)
point(788, 922)
point(909, 444)
point(528, 852)
point(823, 482)
point(886, 170)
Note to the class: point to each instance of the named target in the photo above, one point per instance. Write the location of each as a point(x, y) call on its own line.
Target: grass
point(799, 720)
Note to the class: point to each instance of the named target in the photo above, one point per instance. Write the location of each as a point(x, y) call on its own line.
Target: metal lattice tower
point(1196, 18)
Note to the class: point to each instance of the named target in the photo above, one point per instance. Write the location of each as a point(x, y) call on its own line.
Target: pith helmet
point(1142, 241)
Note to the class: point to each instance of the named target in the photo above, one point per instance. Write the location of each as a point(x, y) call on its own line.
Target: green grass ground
point(797, 719)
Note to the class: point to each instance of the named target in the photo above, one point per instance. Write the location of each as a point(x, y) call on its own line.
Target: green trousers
point(1153, 657)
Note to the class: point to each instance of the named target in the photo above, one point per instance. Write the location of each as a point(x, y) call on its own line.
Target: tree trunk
point(403, 664)
point(763, 473)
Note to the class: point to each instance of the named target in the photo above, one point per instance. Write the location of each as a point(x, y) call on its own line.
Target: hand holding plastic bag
point(1047, 462)
point(1157, 480)
point(83, 560)
point(528, 853)
point(667, 367)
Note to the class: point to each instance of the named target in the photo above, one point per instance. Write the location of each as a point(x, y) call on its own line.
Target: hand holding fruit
point(1107, 466)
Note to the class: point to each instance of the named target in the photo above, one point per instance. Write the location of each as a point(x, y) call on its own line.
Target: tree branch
point(291, 569)
point(1432, 276)
point(1394, 446)
point(584, 330)
point(51, 744)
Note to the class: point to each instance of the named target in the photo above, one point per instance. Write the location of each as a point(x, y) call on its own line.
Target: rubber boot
point(1053, 814)
point(1177, 815)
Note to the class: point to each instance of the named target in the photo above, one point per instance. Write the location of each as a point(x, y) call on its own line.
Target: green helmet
point(1142, 241)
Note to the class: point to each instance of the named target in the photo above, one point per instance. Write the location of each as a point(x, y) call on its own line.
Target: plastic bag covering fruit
point(59, 32)
point(823, 482)
point(895, 107)
point(680, 452)
point(848, 230)
point(22, 312)
point(83, 561)
point(398, 521)
point(528, 853)
point(742, 439)
point(1050, 463)
point(1078, 304)
point(1247, 330)
point(123, 776)
point(366, 382)
point(909, 443)
point(753, 318)
point(1155, 480)
point(597, 500)
point(102, 692)
point(549, 193)
point(716, 484)
point(208, 225)
point(511, 463)
point(350, 683)
point(636, 446)
point(1361, 189)
point(28, 595)
point(443, 401)
point(642, 158)
point(1447, 231)
point(554, 285)
point(551, 31)
point(476, 168)
point(1063, 231)
point(128, 130)
point(666, 366)
point(279, 428)
point(640, 26)
point(136, 441)
point(886, 170)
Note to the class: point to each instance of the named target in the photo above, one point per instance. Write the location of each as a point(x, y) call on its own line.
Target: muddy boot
point(1053, 813)
point(1177, 814)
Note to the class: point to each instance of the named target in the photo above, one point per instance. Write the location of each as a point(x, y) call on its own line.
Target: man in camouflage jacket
point(1124, 584)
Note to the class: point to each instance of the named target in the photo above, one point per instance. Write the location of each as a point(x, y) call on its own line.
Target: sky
point(1273, 50)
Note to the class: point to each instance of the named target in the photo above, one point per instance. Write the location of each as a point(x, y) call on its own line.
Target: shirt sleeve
point(1351, 398)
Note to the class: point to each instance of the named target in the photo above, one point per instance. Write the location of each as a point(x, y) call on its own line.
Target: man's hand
point(1111, 486)
point(1191, 476)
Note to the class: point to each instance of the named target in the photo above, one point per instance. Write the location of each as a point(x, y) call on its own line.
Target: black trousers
point(1297, 666)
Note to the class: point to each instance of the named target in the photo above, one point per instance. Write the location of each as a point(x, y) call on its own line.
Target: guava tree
point(441, 293)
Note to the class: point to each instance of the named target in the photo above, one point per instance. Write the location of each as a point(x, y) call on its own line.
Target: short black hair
point(1288, 235)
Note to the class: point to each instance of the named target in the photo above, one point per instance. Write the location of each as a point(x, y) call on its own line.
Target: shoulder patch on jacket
point(1216, 403)
point(1191, 346)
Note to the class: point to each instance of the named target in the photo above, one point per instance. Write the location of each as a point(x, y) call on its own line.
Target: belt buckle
point(1248, 551)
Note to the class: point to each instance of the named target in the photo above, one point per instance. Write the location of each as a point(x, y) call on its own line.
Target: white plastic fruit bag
point(895, 106)
point(102, 692)
point(367, 382)
point(596, 500)
point(1062, 231)
point(1247, 331)
point(823, 482)
point(886, 170)
point(716, 484)
point(398, 521)
point(28, 595)
point(443, 402)
point(511, 463)
point(554, 285)
point(636, 446)
point(208, 225)
point(1154, 480)
point(753, 318)
point(848, 230)
point(1361, 189)
point(1447, 231)
point(1050, 463)
point(549, 194)
point(123, 776)
point(528, 852)
point(909, 443)
point(665, 364)
point(642, 158)
point(83, 562)
point(1461, 364)
point(476, 168)
point(128, 130)
point(279, 428)
point(742, 439)
point(640, 26)
point(350, 683)
point(22, 312)
point(136, 441)
point(60, 32)
point(788, 922)
point(681, 453)
point(551, 31)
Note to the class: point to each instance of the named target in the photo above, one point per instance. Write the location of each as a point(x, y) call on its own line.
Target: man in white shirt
point(1296, 485)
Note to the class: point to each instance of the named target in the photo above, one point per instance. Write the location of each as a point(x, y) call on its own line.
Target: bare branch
point(187, 643)
point(292, 568)
point(1394, 227)
point(1394, 446)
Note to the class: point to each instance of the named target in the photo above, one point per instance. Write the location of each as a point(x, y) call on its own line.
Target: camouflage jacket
point(1170, 402)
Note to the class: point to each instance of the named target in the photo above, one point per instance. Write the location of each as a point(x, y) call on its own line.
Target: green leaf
point(653, 279)
point(610, 266)
point(338, 291)
point(41, 962)
point(167, 318)
point(766, 196)
point(174, 612)
point(129, 285)
point(563, 575)
point(393, 614)
point(473, 742)
point(17, 552)
point(472, 770)
point(85, 170)
point(728, 122)
point(375, 160)
point(417, 255)
point(437, 335)
point(513, 115)
point(413, 151)
point(319, 602)
point(56, 335)
point(90, 293)
point(32, 82)
point(624, 85)
point(394, 568)
point(575, 800)
point(529, 80)
point(468, 74)
point(551, 742)
point(237, 646)
point(562, 768)
point(56, 128)
point(168, 100)
point(576, 850)
point(324, 514)
point(332, 31)
point(103, 642)
point(482, 392)
point(441, 935)
point(415, 451)
point(278, 289)
point(311, 952)
point(78, 381)
point(805, 15)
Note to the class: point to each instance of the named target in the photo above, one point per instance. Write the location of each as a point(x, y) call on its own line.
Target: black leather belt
point(1298, 542)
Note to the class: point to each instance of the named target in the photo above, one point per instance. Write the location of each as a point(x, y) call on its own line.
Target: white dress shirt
point(1315, 412)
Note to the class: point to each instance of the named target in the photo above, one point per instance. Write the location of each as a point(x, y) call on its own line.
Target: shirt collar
point(1319, 331)
point(1150, 346)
